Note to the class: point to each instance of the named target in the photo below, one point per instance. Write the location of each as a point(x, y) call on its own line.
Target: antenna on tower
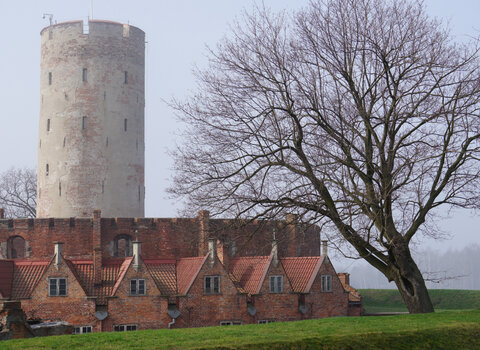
point(50, 17)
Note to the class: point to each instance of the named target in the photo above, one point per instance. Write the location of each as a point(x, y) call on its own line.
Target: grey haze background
point(177, 33)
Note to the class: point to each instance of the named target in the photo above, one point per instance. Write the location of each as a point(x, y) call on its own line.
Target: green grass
point(445, 330)
point(389, 300)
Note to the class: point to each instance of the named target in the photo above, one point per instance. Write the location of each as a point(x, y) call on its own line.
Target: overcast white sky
point(177, 33)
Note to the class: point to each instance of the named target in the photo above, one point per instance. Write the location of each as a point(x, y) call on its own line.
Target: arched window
point(123, 246)
point(15, 247)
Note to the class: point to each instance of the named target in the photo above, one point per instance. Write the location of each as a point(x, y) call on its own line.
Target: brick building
point(126, 273)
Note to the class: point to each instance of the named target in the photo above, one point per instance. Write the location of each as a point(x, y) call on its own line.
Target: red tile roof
point(164, 274)
point(26, 275)
point(250, 271)
point(187, 271)
point(6, 278)
point(301, 271)
point(113, 271)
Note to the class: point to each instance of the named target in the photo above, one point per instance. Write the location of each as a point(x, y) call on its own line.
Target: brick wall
point(75, 307)
point(199, 309)
point(147, 312)
point(166, 238)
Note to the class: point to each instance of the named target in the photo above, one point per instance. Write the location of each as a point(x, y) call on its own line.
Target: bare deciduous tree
point(360, 115)
point(18, 193)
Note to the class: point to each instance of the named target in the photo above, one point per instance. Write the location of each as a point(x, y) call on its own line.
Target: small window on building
point(84, 122)
point(276, 284)
point(103, 186)
point(58, 287)
point(48, 124)
point(139, 193)
point(265, 321)
point(64, 141)
point(122, 245)
point(106, 142)
point(49, 78)
point(84, 74)
point(125, 124)
point(47, 169)
point(50, 35)
point(124, 327)
point(326, 283)
point(40, 144)
point(59, 188)
point(82, 330)
point(15, 247)
point(230, 323)
point(137, 287)
point(125, 78)
point(212, 284)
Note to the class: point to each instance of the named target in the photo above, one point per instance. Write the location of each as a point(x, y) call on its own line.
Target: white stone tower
point(91, 151)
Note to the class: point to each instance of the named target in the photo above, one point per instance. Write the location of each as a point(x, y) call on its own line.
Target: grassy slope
point(389, 300)
point(445, 330)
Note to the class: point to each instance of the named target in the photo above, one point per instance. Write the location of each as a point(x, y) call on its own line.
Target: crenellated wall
point(161, 237)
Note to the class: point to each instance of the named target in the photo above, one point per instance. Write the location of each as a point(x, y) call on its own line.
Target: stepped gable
point(250, 272)
point(353, 295)
point(164, 274)
point(302, 271)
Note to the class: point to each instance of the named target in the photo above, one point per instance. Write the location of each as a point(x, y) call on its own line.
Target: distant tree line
point(453, 269)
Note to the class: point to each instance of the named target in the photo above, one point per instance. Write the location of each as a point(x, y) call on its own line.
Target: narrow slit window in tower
point(59, 188)
point(64, 141)
point(103, 186)
point(84, 122)
point(50, 35)
point(106, 142)
point(139, 194)
point(47, 170)
point(136, 144)
point(125, 80)
point(125, 124)
point(40, 144)
point(48, 124)
point(49, 78)
point(84, 74)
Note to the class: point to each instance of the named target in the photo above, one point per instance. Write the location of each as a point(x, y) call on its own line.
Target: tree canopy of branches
point(361, 115)
point(18, 193)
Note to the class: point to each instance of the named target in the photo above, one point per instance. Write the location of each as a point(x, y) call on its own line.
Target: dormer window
point(276, 284)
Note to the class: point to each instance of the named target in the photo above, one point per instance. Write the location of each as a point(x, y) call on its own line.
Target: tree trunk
point(409, 281)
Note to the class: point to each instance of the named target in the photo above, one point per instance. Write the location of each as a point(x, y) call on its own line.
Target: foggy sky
point(177, 33)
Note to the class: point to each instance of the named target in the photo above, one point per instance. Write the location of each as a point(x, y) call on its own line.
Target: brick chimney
point(58, 253)
point(325, 248)
point(275, 253)
point(223, 252)
point(292, 233)
point(212, 251)
point(97, 246)
point(344, 278)
point(2, 213)
point(137, 252)
point(204, 231)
